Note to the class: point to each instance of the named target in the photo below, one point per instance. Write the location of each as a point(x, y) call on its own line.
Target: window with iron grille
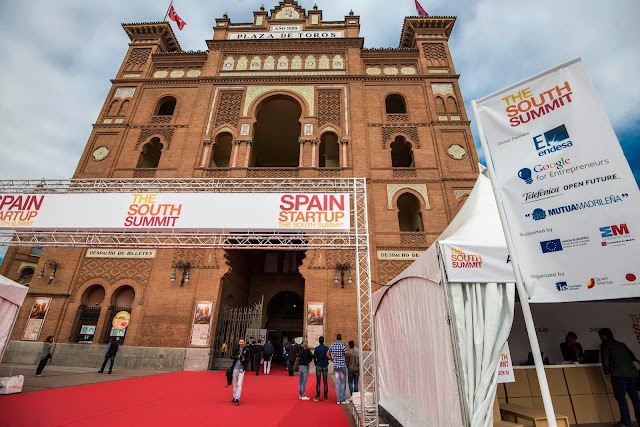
point(87, 323)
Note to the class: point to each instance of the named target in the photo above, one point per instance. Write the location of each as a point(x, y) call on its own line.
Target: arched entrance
point(285, 314)
point(276, 133)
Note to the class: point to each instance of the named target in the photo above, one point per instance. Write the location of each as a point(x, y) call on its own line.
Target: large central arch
point(276, 133)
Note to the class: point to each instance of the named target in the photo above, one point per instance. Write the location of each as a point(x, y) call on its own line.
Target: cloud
point(59, 58)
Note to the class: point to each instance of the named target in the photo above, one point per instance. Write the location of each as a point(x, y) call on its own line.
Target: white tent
point(449, 312)
point(12, 296)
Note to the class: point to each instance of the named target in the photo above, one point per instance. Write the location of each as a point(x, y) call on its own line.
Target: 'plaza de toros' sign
point(295, 32)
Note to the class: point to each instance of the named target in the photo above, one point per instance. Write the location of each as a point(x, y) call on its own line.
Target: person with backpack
point(267, 351)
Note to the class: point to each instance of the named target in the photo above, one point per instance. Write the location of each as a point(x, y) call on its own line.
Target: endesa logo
point(552, 141)
point(527, 174)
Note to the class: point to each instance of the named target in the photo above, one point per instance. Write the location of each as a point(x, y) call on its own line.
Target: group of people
point(47, 354)
point(346, 366)
point(619, 365)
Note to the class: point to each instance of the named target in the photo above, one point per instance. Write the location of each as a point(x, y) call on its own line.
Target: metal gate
point(233, 323)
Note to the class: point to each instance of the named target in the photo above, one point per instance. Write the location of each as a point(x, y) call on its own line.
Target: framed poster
point(315, 322)
point(36, 319)
point(201, 324)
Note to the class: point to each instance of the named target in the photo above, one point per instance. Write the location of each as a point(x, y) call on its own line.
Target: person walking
point(45, 355)
point(285, 354)
point(337, 352)
point(240, 357)
point(292, 354)
point(251, 345)
point(110, 354)
point(321, 361)
point(305, 357)
point(353, 368)
point(267, 356)
point(618, 367)
point(257, 356)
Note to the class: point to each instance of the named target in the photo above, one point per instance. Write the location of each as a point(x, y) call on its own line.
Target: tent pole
point(524, 298)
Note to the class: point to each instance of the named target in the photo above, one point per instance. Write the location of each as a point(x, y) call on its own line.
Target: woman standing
point(47, 351)
point(304, 357)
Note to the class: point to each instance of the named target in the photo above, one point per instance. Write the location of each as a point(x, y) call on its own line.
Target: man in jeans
point(337, 352)
point(321, 362)
point(617, 364)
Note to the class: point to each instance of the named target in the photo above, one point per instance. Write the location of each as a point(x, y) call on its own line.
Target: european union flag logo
point(551, 246)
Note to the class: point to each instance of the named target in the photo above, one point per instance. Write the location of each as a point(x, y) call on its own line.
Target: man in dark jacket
point(617, 364)
point(267, 355)
point(257, 356)
point(321, 361)
point(240, 357)
point(293, 353)
point(110, 354)
point(251, 346)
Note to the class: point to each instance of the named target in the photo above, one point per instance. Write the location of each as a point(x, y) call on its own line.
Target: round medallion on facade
point(100, 153)
point(160, 74)
point(456, 151)
point(193, 73)
point(177, 73)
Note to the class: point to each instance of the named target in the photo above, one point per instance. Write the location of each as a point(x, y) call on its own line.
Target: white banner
point(570, 199)
point(505, 366)
point(476, 263)
point(176, 211)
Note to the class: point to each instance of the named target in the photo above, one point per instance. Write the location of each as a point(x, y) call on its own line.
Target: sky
point(59, 57)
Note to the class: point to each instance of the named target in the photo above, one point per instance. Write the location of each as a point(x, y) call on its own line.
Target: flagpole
point(169, 8)
point(524, 298)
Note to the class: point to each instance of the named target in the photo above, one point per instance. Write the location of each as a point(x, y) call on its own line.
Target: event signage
point(176, 211)
point(121, 253)
point(201, 327)
point(477, 263)
point(279, 34)
point(505, 366)
point(400, 255)
point(571, 203)
point(36, 319)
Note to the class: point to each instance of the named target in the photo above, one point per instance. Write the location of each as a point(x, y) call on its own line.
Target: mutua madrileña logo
point(554, 140)
point(540, 214)
point(461, 259)
point(615, 235)
point(525, 106)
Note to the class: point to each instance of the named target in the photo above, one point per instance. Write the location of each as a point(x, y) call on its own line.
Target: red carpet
point(175, 399)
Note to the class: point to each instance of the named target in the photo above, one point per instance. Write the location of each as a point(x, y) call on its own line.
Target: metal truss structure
point(356, 239)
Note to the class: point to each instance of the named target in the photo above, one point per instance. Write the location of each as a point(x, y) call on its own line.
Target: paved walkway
point(65, 376)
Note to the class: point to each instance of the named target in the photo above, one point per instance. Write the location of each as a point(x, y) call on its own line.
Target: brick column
point(314, 143)
point(344, 162)
point(205, 153)
point(247, 158)
point(300, 158)
point(236, 147)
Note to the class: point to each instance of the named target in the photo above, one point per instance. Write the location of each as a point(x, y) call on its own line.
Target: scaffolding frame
point(356, 239)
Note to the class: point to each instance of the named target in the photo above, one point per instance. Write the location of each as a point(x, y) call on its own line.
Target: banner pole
point(524, 298)
point(169, 8)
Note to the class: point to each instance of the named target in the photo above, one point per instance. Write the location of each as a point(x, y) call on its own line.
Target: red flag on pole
point(420, 10)
point(176, 18)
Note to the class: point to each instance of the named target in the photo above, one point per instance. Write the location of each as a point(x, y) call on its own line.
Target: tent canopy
point(454, 308)
point(12, 296)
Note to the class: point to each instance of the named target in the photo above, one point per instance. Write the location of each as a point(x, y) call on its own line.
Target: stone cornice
point(145, 29)
point(284, 44)
point(427, 24)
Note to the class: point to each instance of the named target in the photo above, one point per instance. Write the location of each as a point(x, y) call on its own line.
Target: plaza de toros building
point(285, 96)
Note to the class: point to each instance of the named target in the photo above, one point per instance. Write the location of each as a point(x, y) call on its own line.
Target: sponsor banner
point(554, 322)
point(400, 255)
point(570, 199)
point(36, 319)
point(315, 323)
point(121, 253)
point(505, 366)
point(176, 211)
point(474, 263)
point(201, 327)
point(277, 33)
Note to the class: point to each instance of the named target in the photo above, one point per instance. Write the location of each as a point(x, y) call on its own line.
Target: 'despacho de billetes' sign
point(176, 211)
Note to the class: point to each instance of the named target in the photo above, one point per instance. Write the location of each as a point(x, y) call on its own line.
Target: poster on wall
point(201, 324)
point(505, 366)
point(315, 322)
point(36, 319)
point(571, 203)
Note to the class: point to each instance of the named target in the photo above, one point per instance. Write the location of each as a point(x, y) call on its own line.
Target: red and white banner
point(176, 211)
point(571, 203)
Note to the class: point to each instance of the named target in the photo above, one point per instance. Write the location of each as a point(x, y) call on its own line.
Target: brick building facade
point(288, 95)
